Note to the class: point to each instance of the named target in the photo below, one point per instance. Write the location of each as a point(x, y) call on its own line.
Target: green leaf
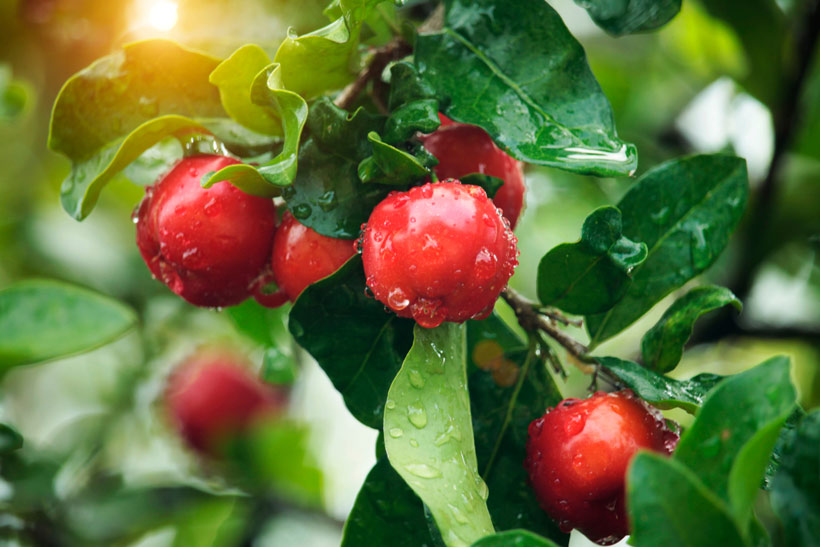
point(278, 367)
point(407, 86)
point(408, 119)
point(668, 505)
point(592, 275)
point(619, 17)
point(389, 165)
point(386, 512)
point(337, 132)
point(10, 439)
point(328, 196)
point(729, 444)
point(120, 106)
point(15, 96)
point(330, 51)
point(659, 390)
point(234, 78)
point(358, 344)
point(490, 184)
point(267, 179)
point(796, 486)
point(429, 434)
point(514, 69)
point(508, 389)
point(518, 538)
point(684, 210)
point(662, 346)
point(41, 320)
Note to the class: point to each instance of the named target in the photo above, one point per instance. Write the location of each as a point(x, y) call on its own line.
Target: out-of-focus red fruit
point(302, 256)
point(213, 398)
point(209, 246)
point(464, 149)
point(577, 457)
point(438, 252)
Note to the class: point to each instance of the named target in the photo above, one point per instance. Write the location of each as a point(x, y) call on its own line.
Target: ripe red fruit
point(302, 256)
point(208, 245)
point(438, 252)
point(212, 398)
point(464, 149)
point(578, 453)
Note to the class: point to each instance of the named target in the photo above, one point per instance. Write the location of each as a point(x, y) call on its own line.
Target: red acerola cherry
point(208, 245)
point(578, 453)
point(302, 256)
point(464, 149)
point(438, 252)
point(213, 398)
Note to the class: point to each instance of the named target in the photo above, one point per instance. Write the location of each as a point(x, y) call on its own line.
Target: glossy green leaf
point(234, 78)
point(10, 439)
point(329, 51)
point(389, 165)
point(783, 439)
point(41, 320)
point(658, 389)
point(592, 275)
point(358, 344)
point(662, 346)
point(795, 491)
point(730, 442)
point(335, 131)
point(619, 17)
point(267, 179)
point(328, 196)
point(15, 96)
point(509, 388)
point(386, 512)
point(491, 185)
point(408, 119)
point(516, 538)
point(407, 86)
point(514, 69)
point(429, 434)
point(120, 106)
point(684, 210)
point(668, 505)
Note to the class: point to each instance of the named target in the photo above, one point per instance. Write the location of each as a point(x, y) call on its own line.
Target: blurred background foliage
point(100, 464)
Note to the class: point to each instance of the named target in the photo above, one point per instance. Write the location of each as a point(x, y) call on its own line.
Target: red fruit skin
point(438, 252)
point(302, 256)
point(578, 454)
point(212, 397)
point(208, 246)
point(464, 149)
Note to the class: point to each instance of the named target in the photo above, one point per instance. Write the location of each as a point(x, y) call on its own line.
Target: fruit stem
point(533, 320)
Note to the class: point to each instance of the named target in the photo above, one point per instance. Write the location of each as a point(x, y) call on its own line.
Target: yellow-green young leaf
point(15, 95)
point(514, 69)
point(619, 17)
point(266, 180)
point(729, 444)
point(428, 434)
point(662, 345)
point(112, 111)
point(668, 505)
point(234, 78)
point(41, 320)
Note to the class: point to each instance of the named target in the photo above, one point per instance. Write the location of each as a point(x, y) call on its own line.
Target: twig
point(556, 315)
point(532, 321)
point(382, 56)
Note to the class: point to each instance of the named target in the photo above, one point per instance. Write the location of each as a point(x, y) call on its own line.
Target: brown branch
point(382, 56)
point(531, 320)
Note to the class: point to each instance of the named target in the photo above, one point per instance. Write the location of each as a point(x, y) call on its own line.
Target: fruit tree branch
point(395, 49)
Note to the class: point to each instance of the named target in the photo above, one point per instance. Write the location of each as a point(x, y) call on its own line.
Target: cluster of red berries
point(440, 252)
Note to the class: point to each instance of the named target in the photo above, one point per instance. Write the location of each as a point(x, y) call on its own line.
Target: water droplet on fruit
point(302, 211)
point(485, 264)
point(574, 424)
point(417, 415)
point(397, 299)
point(396, 432)
point(416, 379)
point(212, 208)
point(423, 470)
point(427, 191)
